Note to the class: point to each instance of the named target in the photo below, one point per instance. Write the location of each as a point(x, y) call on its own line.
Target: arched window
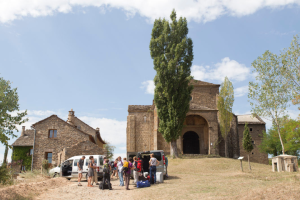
point(145, 118)
point(191, 98)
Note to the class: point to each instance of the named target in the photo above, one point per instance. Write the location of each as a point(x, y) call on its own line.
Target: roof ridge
point(85, 123)
point(63, 121)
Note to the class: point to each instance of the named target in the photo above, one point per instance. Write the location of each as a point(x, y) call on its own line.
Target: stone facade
point(72, 138)
point(201, 125)
point(82, 148)
point(255, 131)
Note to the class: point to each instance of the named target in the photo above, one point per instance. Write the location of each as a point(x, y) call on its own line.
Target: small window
point(52, 133)
point(49, 157)
point(31, 151)
point(75, 162)
point(252, 153)
point(250, 129)
point(253, 142)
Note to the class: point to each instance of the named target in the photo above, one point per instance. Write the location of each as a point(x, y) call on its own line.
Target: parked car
point(69, 168)
point(54, 172)
point(158, 154)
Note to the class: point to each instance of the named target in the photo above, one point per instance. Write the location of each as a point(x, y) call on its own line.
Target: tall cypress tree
point(225, 103)
point(172, 54)
point(247, 142)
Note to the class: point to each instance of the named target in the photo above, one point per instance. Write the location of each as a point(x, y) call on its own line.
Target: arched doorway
point(191, 143)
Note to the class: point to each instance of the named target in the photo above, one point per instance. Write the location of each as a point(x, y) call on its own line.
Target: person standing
point(167, 162)
point(106, 174)
point(94, 179)
point(80, 168)
point(120, 173)
point(115, 171)
point(135, 171)
point(128, 172)
point(153, 163)
point(90, 171)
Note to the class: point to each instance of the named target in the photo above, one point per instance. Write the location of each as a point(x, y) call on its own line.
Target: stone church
point(201, 133)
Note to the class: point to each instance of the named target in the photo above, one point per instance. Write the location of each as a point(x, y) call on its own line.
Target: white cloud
point(241, 91)
point(230, 68)
point(122, 148)
point(198, 11)
point(149, 85)
point(111, 130)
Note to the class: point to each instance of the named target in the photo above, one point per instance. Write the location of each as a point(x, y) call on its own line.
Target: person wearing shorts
point(80, 168)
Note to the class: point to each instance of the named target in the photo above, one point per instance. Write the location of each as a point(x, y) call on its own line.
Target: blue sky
point(93, 56)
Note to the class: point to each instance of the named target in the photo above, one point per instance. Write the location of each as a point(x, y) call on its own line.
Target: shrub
point(5, 176)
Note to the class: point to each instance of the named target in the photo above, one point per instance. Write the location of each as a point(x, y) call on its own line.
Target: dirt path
point(207, 178)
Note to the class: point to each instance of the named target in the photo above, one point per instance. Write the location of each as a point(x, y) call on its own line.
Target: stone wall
point(256, 134)
point(205, 96)
point(82, 148)
point(67, 136)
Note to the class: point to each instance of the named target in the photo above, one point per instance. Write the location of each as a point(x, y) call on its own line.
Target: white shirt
point(120, 165)
point(153, 161)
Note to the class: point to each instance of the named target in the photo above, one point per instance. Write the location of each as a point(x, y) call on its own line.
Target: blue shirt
point(166, 161)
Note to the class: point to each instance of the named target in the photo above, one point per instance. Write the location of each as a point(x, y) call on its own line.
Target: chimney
point(97, 130)
point(71, 117)
point(23, 131)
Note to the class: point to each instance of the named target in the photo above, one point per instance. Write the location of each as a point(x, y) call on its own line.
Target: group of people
point(118, 168)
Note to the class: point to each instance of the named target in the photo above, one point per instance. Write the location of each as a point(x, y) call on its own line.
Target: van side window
point(95, 161)
point(101, 161)
point(75, 162)
point(87, 162)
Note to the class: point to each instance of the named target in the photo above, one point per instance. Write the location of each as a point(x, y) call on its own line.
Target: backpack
point(125, 167)
point(139, 166)
point(112, 164)
point(106, 168)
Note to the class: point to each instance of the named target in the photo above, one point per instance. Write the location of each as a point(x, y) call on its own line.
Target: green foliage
point(224, 104)
point(22, 153)
point(5, 176)
point(9, 115)
point(172, 54)
point(45, 164)
point(109, 150)
point(290, 134)
point(290, 68)
point(269, 95)
point(247, 140)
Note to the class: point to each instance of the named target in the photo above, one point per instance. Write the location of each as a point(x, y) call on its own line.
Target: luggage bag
point(105, 186)
point(142, 184)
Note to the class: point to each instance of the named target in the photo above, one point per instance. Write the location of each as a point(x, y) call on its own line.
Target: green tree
point(172, 54)
point(247, 142)
point(290, 68)
point(290, 134)
point(9, 117)
point(269, 95)
point(109, 150)
point(225, 103)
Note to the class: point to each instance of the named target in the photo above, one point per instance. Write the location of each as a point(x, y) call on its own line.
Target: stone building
point(56, 140)
point(201, 133)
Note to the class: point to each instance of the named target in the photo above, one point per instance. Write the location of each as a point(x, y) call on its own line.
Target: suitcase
point(142, 184)
point(105, 186)
point(159, 177)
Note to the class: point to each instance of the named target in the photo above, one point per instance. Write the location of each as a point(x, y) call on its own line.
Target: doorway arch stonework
point(205, 124)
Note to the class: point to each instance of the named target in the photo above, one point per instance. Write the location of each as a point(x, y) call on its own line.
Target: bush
point(5, 176)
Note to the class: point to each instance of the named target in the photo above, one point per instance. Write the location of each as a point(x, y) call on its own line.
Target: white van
point(158, 154)
point(69, 168)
